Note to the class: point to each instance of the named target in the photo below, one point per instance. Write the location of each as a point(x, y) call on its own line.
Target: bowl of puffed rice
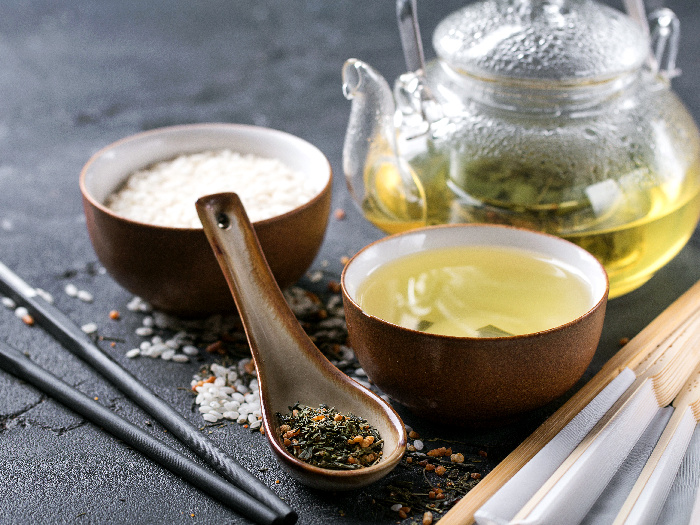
point(139, 194)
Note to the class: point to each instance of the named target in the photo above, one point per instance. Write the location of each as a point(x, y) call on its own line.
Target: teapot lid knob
point(563, 41)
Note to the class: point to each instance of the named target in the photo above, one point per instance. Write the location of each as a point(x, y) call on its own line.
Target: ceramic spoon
point(290, 368)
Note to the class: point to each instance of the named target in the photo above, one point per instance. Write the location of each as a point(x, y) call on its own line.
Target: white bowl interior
point(109, 167)
point(576, 259)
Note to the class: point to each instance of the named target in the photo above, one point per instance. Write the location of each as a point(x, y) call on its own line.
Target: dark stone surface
point(78, 75)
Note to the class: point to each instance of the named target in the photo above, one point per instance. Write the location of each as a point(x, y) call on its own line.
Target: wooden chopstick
point(76, 341)
point(631, 355)
point(22, 367)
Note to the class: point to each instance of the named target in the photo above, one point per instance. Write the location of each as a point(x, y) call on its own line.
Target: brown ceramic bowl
point(174, 269)
point(467, 380)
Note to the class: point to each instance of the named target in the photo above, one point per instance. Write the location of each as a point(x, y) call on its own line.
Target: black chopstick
point(17, 364)
point(76, 341)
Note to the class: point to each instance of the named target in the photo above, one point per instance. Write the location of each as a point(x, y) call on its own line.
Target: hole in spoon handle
point(237, 249)
point(223, 221)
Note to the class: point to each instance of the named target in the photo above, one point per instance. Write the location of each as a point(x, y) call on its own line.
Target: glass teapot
point(552, 115)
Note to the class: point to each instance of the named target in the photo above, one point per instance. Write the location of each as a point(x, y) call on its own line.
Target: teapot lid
point(563, 41)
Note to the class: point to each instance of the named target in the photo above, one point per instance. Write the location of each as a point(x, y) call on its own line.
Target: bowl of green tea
point(474, 324)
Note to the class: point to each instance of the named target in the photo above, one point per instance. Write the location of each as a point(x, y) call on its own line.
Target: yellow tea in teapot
point(632, 228)
point(476, 291)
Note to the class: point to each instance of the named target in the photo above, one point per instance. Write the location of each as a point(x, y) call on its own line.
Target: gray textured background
point(75, 76)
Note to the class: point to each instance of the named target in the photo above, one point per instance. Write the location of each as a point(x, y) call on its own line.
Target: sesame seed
point(134, 352)
point(71, 290)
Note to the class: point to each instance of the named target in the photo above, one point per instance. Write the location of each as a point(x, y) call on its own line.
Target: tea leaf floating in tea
point(325, 438)
point(492, 331)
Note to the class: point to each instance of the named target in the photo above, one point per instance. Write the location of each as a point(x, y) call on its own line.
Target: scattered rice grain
point(144, 331)
point(190, 350)
point(316, 276)
point(21, 311)
point(89, 328)
point(46, 296)
point(85, 296)
point(9, 303)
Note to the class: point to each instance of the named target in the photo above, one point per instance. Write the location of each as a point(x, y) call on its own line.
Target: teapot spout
point(370, 128)
point(379, 179)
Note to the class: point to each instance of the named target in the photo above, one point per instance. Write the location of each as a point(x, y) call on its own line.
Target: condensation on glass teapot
point(553, 115)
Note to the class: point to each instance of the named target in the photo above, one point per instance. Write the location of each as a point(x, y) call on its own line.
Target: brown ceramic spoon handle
point(232, 237)
point(274, 333)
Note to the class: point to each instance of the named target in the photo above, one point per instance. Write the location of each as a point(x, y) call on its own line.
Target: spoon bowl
point(290, 367)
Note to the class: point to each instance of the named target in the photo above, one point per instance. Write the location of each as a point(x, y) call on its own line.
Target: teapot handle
point(407, 17)
point(665, 30)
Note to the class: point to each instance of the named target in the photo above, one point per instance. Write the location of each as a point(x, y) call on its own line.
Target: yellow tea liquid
point(476, 292)
point(633, 252)
point(648, 228)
